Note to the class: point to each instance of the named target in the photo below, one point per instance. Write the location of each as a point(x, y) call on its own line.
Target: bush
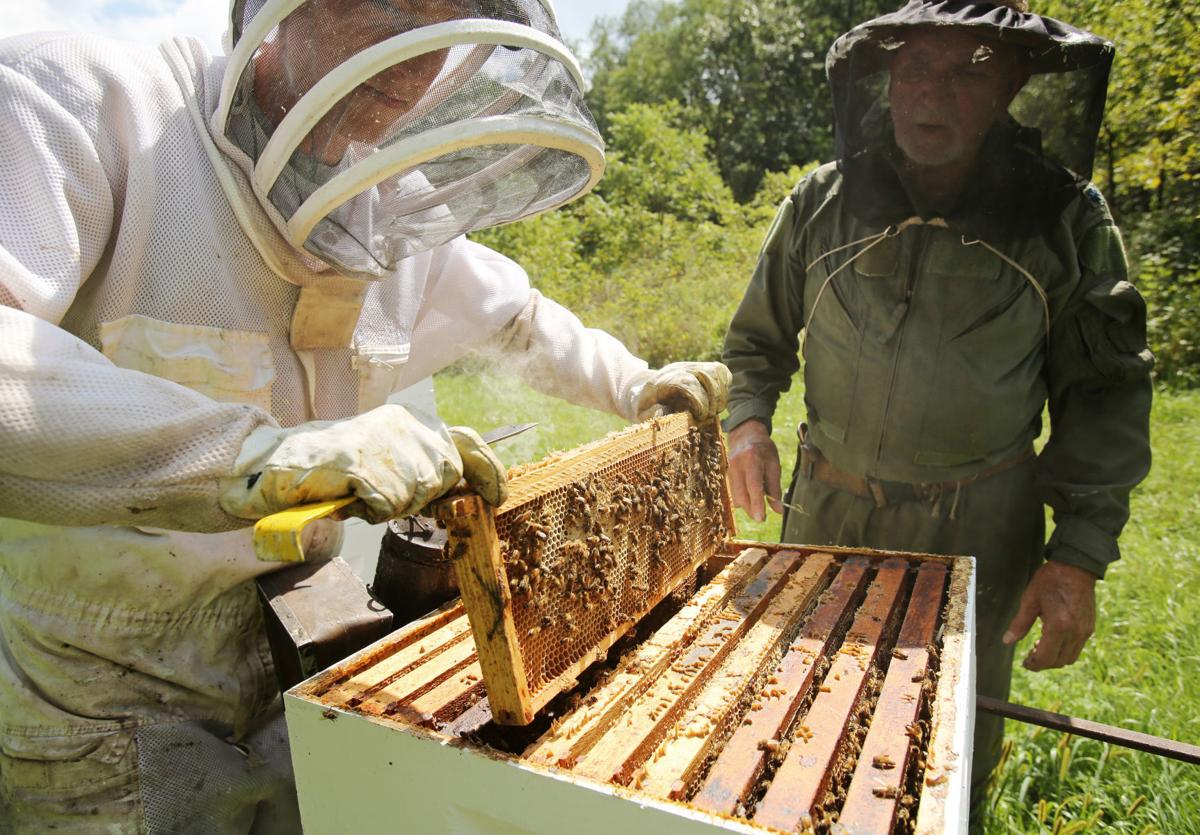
point(1165, 265)
point(660, 253)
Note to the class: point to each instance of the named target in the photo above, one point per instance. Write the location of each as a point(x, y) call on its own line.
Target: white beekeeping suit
point(204, 308)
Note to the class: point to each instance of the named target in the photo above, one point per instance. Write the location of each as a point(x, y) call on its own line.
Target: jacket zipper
point(910, 288)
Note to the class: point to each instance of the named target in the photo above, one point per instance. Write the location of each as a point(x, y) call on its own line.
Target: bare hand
point(754, 469)
point(1064, 597)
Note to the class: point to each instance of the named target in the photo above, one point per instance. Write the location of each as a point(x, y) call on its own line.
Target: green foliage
point(749, 73)
point(659, 254)
point(663, 169)
point(1149, 162)
point(1166, 263)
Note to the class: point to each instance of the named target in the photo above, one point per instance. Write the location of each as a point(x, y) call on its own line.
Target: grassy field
point(1140, 671)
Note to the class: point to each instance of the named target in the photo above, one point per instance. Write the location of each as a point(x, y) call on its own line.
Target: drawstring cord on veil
point(871, 242)
point(894, 230)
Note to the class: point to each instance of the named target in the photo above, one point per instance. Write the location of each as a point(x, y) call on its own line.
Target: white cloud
point(147, 21)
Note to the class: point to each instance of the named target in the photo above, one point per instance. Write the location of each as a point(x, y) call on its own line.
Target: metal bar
point(1093, 730)
point(503, 433)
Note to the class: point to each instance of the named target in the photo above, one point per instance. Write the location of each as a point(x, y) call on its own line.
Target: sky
point(150, 21)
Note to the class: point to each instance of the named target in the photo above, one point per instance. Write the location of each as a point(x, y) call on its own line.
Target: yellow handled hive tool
point(277, 538)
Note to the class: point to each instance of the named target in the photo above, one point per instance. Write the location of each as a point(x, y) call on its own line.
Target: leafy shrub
point(1165, 264)
point(660, 253)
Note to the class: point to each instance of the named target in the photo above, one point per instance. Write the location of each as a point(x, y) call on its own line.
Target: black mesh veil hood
point(1047, 143)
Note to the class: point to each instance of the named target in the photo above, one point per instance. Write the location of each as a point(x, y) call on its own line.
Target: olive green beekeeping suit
point(931, 343)
point(928, 360)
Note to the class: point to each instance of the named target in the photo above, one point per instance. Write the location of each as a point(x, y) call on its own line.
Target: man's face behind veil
point(947, 89)
point(322, 34)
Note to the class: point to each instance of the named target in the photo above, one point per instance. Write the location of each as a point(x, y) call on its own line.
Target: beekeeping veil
point(1019, 182)
point(377, 129)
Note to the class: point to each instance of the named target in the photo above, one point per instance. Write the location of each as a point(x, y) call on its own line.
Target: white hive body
point(672, 680)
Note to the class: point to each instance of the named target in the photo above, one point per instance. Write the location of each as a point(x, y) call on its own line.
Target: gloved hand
point(480, 466)
point(701, 388)
point(392, 462)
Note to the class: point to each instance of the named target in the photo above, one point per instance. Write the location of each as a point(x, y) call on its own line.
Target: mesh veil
point(417, 121)
point(1047, 142)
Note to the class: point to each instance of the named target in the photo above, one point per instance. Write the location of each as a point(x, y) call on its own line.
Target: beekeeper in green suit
point(948, 276)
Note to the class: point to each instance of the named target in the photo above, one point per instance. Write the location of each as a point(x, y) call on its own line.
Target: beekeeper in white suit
point(214, 271)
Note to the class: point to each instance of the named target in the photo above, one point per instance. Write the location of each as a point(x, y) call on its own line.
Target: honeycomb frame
point(587, 543)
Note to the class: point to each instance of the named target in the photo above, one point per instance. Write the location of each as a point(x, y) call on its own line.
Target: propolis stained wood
point(586, 545)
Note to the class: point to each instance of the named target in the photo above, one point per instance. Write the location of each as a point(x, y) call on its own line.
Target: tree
point(659, 253)
point(749, 73)
point(1149, 162)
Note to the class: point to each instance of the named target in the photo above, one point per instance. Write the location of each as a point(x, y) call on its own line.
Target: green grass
point(1140, 671)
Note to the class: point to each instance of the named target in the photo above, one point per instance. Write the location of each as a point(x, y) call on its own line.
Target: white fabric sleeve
point(83, 442)
point(559, 356)
point(56, 203)
point(477, 300)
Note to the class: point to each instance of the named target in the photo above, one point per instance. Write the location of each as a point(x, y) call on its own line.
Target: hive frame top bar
point(587, 544)
point(460, 776)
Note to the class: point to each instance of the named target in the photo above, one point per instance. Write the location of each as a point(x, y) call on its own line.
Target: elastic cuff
point(1079, 543)
point(1067, 555)
point(745, 410)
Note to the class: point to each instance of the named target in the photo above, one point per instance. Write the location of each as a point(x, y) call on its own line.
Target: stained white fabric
point(392, 463)
point(152, 319)
point(701, 388)
point(548, 345)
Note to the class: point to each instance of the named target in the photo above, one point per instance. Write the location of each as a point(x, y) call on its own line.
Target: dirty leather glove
point(388, 459)
point(701, 388)
point(480, 466)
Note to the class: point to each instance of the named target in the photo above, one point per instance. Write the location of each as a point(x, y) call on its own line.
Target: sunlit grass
point(1140, 671)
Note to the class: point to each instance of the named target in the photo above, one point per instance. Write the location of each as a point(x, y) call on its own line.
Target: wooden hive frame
point(586, 544)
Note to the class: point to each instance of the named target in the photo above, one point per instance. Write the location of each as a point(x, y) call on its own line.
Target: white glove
point(388, 459)
point(701, 388)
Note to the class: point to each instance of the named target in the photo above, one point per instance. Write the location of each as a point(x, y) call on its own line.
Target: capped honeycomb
point(587, 543)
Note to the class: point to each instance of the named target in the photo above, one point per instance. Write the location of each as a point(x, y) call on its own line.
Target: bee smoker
point(414, 574)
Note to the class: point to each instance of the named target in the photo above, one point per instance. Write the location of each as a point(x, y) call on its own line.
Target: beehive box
point(793, 688)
